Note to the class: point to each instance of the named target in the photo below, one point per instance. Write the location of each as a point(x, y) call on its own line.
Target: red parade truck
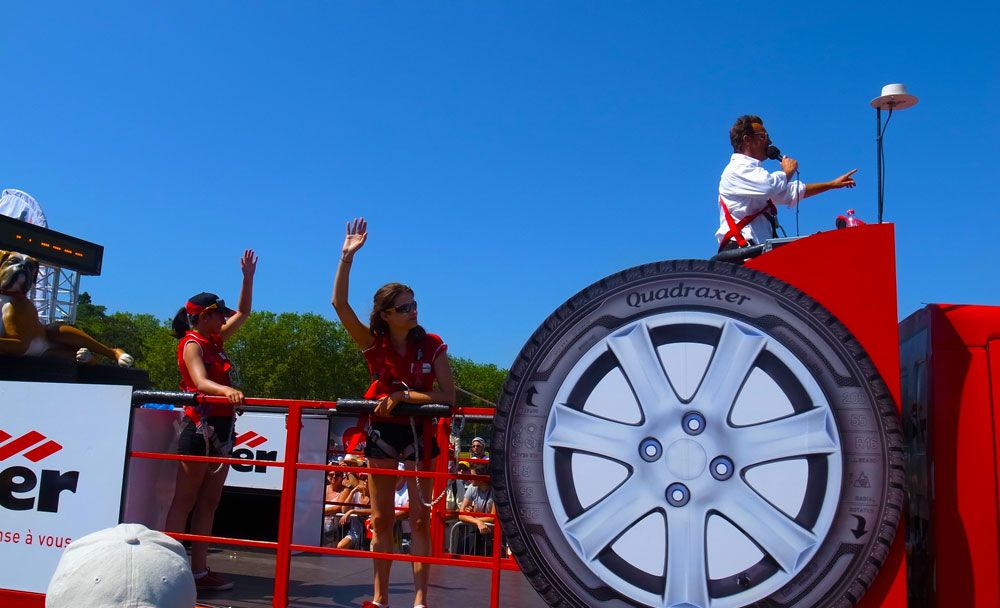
point(684, 433)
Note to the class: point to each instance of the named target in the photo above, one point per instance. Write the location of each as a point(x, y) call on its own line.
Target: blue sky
point(506, 154)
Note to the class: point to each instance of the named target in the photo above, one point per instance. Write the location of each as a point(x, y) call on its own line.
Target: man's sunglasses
point(403, 308)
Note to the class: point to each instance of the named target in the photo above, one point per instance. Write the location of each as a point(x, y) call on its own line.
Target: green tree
point(292, 356)
point(482, 380)
point(160, 360)
point(140, 335)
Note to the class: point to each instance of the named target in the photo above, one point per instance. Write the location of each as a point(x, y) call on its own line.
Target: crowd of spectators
point(347, 510)
point(347, 507)
point(468, 530)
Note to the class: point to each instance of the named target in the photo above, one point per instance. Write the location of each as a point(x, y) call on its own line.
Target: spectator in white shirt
point(748, 193)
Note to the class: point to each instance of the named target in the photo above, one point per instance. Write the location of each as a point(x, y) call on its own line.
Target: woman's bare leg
point(420, 529)
point(383, 494)
point(187, 488)
point(204, 514)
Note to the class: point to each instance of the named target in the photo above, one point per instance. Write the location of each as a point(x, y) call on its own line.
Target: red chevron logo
point(40, 446)
point(251, 438)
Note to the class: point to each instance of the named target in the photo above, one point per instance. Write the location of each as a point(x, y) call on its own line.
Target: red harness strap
point(736, 228)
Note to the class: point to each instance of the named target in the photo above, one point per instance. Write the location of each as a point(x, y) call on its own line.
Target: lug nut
point(650, 450)
point(678, 495)
point(721, 468)
point(693, 423)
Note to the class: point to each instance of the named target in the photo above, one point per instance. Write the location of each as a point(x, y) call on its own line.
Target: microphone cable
point(775, 154)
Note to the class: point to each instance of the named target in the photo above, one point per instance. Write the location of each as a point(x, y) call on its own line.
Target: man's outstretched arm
point(844, 181)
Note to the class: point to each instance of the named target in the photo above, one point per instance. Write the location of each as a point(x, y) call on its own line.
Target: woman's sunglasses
point(403, 308)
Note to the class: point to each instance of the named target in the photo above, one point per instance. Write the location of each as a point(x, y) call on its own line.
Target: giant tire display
point(696, 434)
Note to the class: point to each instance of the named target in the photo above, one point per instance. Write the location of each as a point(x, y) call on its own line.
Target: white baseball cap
point(128, 566)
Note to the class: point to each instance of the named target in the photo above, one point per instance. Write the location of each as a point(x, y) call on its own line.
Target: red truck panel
point(951, 381)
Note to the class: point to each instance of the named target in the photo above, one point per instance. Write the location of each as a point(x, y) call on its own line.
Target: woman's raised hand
point(248, 263)
point(357, 234)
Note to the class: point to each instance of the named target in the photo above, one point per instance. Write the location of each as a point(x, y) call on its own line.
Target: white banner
point(259, 436)
point(62, 459)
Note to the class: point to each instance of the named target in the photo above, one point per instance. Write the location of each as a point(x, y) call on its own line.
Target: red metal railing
point(290, 465)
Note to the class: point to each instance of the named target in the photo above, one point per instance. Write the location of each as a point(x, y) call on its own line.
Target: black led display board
point(50, 247)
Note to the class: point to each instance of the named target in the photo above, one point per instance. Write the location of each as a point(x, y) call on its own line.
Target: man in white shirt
point(748, 193)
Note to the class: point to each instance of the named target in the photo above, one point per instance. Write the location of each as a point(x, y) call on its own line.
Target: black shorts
point(220, 442)
point(399, 437)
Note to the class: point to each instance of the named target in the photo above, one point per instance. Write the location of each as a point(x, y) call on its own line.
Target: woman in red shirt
point(407, 365)
point(202, 326)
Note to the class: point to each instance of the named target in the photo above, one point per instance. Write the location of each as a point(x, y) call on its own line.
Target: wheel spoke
point(812, 432)
point(578, 430)
point(605, 520)
point(641, 366)
point(687, 578)
point(730, 365)
point(783, 539)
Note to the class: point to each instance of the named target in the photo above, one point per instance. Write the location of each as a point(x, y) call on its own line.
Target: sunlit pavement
point(343, 582)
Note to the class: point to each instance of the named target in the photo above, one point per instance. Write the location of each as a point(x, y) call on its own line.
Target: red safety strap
point(736, 228)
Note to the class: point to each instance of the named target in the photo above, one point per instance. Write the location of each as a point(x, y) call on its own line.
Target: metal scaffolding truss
point(56, 294)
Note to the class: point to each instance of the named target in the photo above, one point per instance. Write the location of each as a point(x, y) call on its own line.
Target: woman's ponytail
point(180, 324)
